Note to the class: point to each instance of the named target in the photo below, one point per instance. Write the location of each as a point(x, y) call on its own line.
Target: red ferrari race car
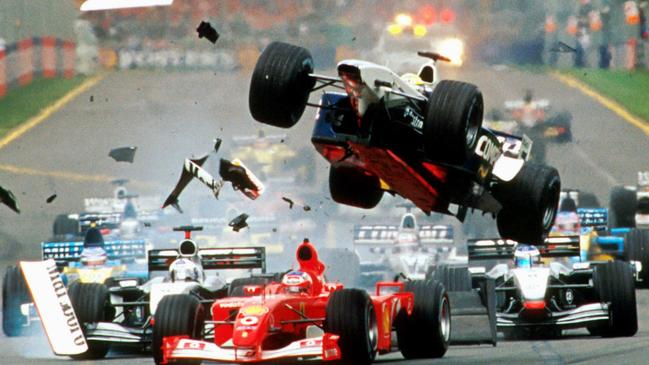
point(413, 135)
point(304, 316)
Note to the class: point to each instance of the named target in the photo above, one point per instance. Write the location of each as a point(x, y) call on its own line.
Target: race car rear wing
point(593, 217)
point(490, 249)
point(380, 235)
point(562, 246)
point(63, 253)
point(499, 249)
point(222, 258)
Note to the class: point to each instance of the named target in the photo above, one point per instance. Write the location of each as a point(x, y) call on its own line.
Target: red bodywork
point(271, 323)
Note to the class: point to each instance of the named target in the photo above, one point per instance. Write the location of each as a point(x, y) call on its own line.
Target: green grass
point(22, 103)
point(630, 89)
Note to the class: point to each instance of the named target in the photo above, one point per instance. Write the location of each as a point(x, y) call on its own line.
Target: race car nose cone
point(534, 304)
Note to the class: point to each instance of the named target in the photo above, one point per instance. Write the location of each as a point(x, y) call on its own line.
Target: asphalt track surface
point(170, 116)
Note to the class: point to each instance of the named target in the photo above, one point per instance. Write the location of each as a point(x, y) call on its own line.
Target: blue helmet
point(526, 256)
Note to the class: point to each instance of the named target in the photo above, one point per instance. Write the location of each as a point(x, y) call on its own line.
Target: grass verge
point(629, 89)
point(22, 103)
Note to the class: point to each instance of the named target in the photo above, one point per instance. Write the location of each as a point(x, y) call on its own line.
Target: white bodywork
point(54, 307)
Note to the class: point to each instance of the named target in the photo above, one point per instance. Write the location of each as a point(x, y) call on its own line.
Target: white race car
point(537, 299)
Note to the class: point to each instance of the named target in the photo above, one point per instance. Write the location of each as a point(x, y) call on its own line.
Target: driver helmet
point(297, 282)
point(184, 270)
point(526, 256)
point(93, 256)
point(528, 96)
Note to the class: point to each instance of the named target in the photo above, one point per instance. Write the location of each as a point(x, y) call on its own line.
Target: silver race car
point(543, 293)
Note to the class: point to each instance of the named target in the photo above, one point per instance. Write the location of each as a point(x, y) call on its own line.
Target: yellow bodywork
point(97, 275)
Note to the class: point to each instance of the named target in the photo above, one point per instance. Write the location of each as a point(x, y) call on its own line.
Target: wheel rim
point(372, 329)
point(445, 320)
point(471, 130)
point(548, 217)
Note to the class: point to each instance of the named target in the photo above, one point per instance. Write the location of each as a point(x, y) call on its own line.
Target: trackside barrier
point(30, 58)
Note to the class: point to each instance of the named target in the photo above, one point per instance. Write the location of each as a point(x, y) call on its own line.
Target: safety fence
point(30, 58)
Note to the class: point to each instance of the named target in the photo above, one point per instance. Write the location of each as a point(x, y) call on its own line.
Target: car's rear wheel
point(453, 121)
point(350, 185)
point(91, 303)
point(615, 284)
point(14, 295)
point(636, 247)
point(426, 333)
point(530, 203)
point(350, 314)
point(177, 315)
point(281, 84)
point(623, 204)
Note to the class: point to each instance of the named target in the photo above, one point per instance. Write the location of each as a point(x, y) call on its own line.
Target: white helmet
point(184, 270)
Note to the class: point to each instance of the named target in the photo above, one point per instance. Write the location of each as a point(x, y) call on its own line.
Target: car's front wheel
point(177, 315)
point(91, 303)
point(281, 84)
point(530, 203)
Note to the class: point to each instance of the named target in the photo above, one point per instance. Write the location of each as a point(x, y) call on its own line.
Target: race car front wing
point(574, 318)
point(180, 347)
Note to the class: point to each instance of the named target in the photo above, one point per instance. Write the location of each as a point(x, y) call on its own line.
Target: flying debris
point(192, 169)
point(562, 48)
point(8, 199)
point(239, 222)
point(51, 198)
point(205, 30)
point(123, 154)
point(241, 177)
point(289, 201)
point(217, 144)
point(306, 208)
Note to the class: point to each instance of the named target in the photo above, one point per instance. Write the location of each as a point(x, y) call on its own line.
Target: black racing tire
point(615, 284)
point(453, 277)
point(64, 226)
point(426, 333)
point(636, 248)
point(453, 121)
point(588, 200)
point(343, 265)
point(280, 85)
point(350, 314)
point(622, 205)
point(91, 303)
point(14, 294)
point(237, 285)
point(530, 203)
point(350, 185)
point(177, 315)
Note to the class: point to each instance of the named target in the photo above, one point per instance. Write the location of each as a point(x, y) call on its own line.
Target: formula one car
point(304, 316)
point(533, 119)
point(92, 260)
point(129, 306)
point(408, 249)
point(414, 136)
point(125, 214)
point(536, 299)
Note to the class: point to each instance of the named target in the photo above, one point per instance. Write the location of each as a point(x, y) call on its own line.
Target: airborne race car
point(305, 316)
point(414, 136)
point(540, 300)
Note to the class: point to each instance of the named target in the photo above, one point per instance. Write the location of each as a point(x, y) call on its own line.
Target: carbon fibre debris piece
point(561, 47)
point(185, 177)
point(217, 144)
point(239, 222)
point(9, 199)
point(236, 175)
point(205, 30)
point(289, 201)
point(123, 154)
point(51, 198)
